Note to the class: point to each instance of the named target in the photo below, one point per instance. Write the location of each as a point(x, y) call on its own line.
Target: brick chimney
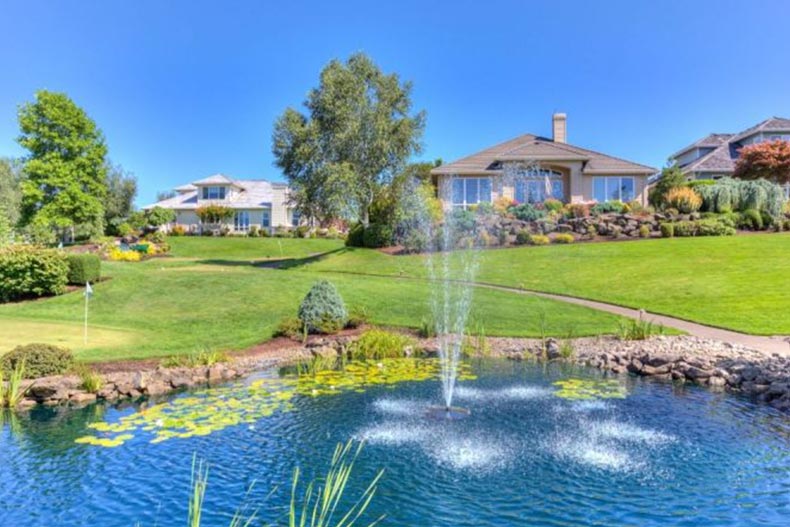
point(559, 128)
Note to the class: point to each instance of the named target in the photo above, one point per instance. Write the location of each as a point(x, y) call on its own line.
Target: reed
point(11, 391)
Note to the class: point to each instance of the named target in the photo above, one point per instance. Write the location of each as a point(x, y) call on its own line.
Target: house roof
point(216, 179)
point(255, 193)
point(726, 146)
point(529, 147)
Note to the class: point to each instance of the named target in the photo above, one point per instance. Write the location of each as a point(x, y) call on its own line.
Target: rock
point(697, 374)
point(326, 352)
point(26, 404)
point(717, 381)
point(157, 388)
point(82, 398)
point(552, 349)
point(655, 370)
point(215, 372)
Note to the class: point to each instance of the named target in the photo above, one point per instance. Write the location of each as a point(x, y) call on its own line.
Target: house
point(714, 156)
point(531, 169)
point(255, 202)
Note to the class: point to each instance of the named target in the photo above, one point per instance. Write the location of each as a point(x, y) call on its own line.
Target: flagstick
point(85, 332)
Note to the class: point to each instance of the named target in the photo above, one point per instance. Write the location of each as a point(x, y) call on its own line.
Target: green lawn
point(741, 282)
point(167, 306)
point(230, 248)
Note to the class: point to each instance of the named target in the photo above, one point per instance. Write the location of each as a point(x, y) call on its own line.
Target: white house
point(254, 201)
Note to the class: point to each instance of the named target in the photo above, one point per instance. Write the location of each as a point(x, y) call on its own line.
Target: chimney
point(559, 128)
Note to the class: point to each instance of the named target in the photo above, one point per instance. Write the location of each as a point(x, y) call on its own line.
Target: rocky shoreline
point(716, 364)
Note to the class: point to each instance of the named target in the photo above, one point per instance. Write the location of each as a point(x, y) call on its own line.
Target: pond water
point(543, 445)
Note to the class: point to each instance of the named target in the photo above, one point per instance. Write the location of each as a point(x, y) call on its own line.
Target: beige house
point(531, 169)
point(255, 202)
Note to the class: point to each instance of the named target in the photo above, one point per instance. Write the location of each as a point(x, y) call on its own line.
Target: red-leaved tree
point(769, 160)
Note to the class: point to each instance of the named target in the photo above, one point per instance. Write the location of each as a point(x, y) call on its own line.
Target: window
point(266, 219)
point(295, 218)
point(534, 190)
point(241, 221)
point(470, 191)
point(613, 189)
point(213, 193)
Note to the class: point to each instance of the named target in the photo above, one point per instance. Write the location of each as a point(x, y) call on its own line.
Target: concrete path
point(770, 345)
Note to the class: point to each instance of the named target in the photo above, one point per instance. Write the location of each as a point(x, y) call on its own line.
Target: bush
point(527, 212)
point(356, 236)
point(607, 207)
point(578, 210)
point(553, 205)
point(714, 227)
point(178, 230)
point(644, 231)
point(302, 231)
point(667, 230)
point(124, 229)
point(564, 237)
point(684, 199)
point(41, 360)
point(728, 195)
point(357, 317)
point(639, 329)
point(290, 327)
point(30, 271)
point(83, 268)
point(377, 235)
point(538, 239)
point(522, 237)
point(483, 208)
point(117, 255)
point(416, 241)
point(685, 228)
point(323, 310)
point(376, 344)
point(751, 219)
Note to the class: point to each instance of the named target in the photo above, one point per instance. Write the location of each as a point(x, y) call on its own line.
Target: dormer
point(217, 188)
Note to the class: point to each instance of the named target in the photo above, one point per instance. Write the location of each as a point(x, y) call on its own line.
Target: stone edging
point(706, 362)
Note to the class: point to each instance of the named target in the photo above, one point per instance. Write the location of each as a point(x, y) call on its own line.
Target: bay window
point(613, 188)
point(533, 187)
point(470, 191)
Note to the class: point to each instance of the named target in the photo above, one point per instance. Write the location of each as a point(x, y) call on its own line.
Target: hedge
point(84, 268)
point(31, 271)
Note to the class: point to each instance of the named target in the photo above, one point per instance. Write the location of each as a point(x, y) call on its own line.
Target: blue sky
point(186, 89)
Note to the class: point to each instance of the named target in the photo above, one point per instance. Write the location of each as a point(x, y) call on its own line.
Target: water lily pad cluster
point(585, 389)
point(211, 410)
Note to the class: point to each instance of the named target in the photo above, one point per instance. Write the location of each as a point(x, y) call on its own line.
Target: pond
point(543, 445)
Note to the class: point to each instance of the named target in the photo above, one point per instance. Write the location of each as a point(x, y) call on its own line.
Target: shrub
point(356, 236)
point(714, 227)
point(579, 210)
point(427, 328)
point(323, 310)
point(83, 268)
point(502, 204)
point(358, 316)
point(538, 239)
point(564, 237)
point(527, 212)
point(90, 381)
point(12, 392)
point(685, 228)
point(124, 229)
point(253, 231)
point(751, 219)
point(31, 271)
point(638, 329)
point(644, 231)
point(376, 344)
point(684, 199)
point(607, 207)
point(117, 255)
point(483, 208)
point(553, 205)
point(416, 241)
point(290, 327)
point(667, 230)
point(302, 231)
point(522, 237)
point(728, 195)
point(377, 235)
point(40, 360)
point(178, 230)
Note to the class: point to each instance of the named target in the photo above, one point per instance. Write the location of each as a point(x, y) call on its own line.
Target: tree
point(65, 170)
point(10, 196)
point(769, 160)
point(121, 191)
point(213, 214)
point(358, 132)
point(671, 177)
point(158, 216)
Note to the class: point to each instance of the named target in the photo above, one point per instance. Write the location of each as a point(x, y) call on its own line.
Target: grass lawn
point(740, 283)
point(168, 306)
point(248, 249)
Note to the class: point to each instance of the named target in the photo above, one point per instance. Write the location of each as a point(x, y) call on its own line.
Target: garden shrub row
point(702, 227)
point(83, 268)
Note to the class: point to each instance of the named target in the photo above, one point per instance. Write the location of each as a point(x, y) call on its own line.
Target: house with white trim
point(531, 168)
point(254, 201)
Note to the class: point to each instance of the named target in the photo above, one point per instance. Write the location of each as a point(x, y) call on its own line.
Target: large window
point(296, 217)
point(241, 221)
point(536, 190)
point(266, 218)
point(607, 188)
point(213, 193)
point(471, 191)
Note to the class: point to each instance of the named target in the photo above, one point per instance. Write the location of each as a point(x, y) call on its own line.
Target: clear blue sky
point(186, 89)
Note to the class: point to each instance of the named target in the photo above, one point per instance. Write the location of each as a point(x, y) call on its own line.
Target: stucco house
point(531, 168)
point(714, 156)
point(255, 202)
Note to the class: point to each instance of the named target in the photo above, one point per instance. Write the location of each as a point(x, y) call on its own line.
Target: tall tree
point(65, 170)
point(358, 132)
point(121, 191)
point(671, 177)
point(768, 160)
point(10, 196)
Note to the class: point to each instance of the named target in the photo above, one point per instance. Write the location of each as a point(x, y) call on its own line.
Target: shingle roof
point(216, 179)
point(255, 193)
point(532, 147)
point(722, 158)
